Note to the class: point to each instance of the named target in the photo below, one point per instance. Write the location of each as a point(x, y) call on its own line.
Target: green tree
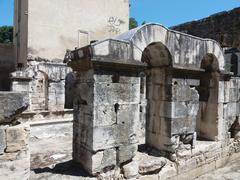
point(6, 34)
point(144, 22)
point(132, 23)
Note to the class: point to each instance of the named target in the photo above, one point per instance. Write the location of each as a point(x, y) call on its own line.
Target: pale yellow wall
point(53, 24)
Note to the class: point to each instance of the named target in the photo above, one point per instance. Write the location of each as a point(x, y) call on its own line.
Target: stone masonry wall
point(223, 27)
point(14, 152)
point(106, 117)
point(14, 137)
point(172, 110)
point(45, 85)
point(229, 103)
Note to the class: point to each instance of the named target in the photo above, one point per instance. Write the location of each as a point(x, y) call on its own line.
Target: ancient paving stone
point(151, 166)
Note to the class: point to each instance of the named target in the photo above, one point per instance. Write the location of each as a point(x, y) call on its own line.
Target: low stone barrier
point(14, 152)
point(14, 137)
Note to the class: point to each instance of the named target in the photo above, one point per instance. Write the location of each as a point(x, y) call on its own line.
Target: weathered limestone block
point(2, 140)
point(168, 171)
point(20, 86)
point(127, 152)
point(130, 170)
point(116, 93)
point(221, 92)
point(17, 138)
point(226, 91)
point(95, 162)
point(56, 96)
point(113, 136)
point(11, 105)
point(172, 108)
point(181, 90)
point(182, 126)
point(163, 142)
point(151, 166)
point(231, 109)
point(100, 77)
point(15, 160)
point(106, 111)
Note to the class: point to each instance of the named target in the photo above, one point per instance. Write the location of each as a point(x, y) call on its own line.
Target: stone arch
point(157, 55)
point(209, 121)
point(176, 62)
point(186, 50)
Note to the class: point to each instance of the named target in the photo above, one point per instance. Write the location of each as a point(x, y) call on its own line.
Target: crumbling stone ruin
point(190, 98)
point(149, 103)
point(14, 137)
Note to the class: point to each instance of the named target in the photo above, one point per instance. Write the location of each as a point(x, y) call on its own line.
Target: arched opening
point(181, 102)
point(158, 58)
point(172, 101)
point(207, 121)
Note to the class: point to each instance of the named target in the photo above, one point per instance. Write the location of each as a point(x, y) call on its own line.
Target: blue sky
point(6, 12)
point(173, 12)
point(166, 12)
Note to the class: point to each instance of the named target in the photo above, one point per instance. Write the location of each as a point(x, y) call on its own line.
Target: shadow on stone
point(66, 168)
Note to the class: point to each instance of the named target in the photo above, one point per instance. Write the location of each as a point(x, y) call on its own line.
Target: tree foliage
point(132, 23)
point(6, 34)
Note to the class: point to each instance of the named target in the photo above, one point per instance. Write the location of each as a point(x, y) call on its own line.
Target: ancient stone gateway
point(184, 101)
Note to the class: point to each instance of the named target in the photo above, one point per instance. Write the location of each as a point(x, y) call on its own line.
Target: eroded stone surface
point(17, 138)
point(130, 170)
point(2, 140)
point(15, 160)
point(151, 166)
point(11, 105)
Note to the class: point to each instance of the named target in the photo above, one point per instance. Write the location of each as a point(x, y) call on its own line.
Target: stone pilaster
point(106, 113)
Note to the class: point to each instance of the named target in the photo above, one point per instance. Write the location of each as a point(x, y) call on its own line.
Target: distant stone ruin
point(223, 27)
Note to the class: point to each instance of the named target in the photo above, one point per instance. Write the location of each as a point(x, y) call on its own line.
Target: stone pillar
point(106, 114)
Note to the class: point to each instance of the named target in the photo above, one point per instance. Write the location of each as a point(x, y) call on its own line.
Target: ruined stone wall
point(223, 27)
point(14, 152)
point(45, 85)
point(229, 102)
point(106, 117)
point(7, 65)
point(14, 137)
